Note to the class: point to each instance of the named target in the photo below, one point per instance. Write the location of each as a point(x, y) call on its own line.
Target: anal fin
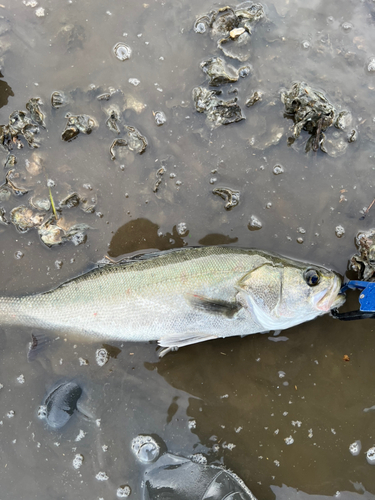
point(176, 340)
point(38, 343)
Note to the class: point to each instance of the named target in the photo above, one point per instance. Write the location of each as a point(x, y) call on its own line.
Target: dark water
point(235, 400)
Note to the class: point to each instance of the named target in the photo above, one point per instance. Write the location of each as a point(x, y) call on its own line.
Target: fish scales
point(176, 297)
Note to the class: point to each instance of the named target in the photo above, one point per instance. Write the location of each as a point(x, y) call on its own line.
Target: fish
point(180, 297)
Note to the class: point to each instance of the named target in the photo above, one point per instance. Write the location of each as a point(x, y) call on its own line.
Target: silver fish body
point(181, 297)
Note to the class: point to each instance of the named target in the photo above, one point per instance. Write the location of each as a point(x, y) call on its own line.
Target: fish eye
point(311, 277)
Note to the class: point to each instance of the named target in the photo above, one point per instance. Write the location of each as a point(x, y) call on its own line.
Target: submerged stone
point(159, 117)
point(254, 223)
point(61, 403)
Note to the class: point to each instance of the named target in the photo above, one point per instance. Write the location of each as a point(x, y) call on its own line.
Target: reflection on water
point(5, 92)
point(142, 234)
point(276, 413)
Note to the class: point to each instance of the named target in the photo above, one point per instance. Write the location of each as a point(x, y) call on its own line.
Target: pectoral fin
point(214, 306)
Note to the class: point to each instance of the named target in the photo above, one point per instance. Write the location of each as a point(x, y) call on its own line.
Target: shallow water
point(246, 395)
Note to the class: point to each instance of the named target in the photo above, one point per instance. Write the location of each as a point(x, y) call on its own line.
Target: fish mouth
point(332, 298)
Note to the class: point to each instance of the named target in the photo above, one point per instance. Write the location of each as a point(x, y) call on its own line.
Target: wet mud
point(281, 411)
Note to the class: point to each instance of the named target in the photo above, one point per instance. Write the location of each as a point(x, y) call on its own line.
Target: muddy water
point(249, 396)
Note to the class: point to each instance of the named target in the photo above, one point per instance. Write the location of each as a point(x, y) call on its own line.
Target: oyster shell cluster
point(363, 262)
point(311, 111)
point(39, 213)
point(231, 28)
point(23, 125)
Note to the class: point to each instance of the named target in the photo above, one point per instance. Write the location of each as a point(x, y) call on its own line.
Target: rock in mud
point(159, 117)
point(231, 197)
point(218, 111)
point(254, 223)
point(61, 403)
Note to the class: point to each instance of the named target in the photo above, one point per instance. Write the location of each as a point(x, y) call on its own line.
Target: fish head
point(283, 293)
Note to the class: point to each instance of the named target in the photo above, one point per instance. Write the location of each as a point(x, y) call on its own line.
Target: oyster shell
point(24, 218)
point(116, 144)
point(136, 141)
point(9, 182)
point(77, 124)
point(231, 196)
point(219, 72)
point(34, 109)
point(112, 121)
point(218, 111)
point(58, 99)
point(363, 262)
point(254, 98)
point(231, 27)
point(311, 111)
